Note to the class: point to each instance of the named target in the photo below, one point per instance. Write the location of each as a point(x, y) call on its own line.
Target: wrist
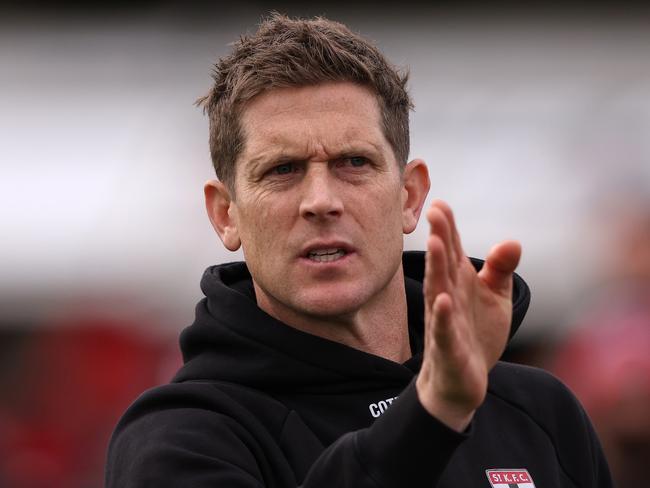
point(454, 415)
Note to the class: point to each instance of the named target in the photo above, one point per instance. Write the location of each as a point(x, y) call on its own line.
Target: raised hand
point(467, 320)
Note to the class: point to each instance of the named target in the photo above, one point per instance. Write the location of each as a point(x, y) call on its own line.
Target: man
point(296, 360)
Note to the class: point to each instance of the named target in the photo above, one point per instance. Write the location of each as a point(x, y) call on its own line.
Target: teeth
point(326, 255)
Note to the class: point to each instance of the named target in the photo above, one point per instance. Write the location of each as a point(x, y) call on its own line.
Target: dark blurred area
point(105, 239)
point(67, 384)
point(604, 354)
point(605, 359)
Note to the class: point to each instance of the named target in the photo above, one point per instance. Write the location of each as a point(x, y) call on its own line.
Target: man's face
point(319, 200)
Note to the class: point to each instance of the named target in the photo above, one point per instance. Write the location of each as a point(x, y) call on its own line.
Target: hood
point(233, 340)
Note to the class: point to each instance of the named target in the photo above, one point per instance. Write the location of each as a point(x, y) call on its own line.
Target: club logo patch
point(509, 478)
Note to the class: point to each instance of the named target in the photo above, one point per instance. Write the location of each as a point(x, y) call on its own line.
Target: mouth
point(326, 255)
point(327, 251)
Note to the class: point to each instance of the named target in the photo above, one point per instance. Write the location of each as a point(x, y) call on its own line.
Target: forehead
point(326, 117)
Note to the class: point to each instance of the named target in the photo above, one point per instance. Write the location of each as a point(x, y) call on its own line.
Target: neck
point(380, 327)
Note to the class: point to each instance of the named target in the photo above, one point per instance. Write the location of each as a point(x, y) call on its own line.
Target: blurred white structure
point(103, 154)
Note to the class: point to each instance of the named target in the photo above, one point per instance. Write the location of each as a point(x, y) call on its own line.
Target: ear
point(415, 189)
point(223, 213)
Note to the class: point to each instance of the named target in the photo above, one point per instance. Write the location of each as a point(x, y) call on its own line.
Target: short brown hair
point(287, 52)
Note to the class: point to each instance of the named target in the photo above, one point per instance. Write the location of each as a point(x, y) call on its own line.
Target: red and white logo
point(509, 478)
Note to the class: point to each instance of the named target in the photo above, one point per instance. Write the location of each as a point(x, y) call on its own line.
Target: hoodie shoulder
point(184, 432)
point(233, 401)
point(531, 389)
point(549, 404)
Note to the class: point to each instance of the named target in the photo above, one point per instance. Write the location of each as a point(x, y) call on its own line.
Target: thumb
point(501, 262)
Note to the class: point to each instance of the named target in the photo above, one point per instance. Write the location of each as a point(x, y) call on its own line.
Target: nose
point(320, 196)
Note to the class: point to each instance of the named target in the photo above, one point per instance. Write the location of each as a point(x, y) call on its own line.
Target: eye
point(357, 161)
point(353, 165)
point(283, 169)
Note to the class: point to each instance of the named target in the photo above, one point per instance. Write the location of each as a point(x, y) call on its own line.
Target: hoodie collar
point(233, 340)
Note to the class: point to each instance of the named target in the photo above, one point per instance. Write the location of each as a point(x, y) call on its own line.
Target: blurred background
point(535, 124)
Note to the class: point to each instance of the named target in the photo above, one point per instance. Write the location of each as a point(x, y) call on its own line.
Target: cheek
point(262, 225)
point(255, 235)
point(386, 209)
point(380, 217)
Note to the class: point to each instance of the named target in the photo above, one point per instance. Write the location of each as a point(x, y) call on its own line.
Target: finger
point(501, 262)
point(453, 231)
point(436, 272)
point(455, 236)
point(443, 333)
point(440, 227)
point(427, 291)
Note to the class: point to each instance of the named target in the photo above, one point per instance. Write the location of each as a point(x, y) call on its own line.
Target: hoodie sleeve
point(161, 442)
point(405, 447)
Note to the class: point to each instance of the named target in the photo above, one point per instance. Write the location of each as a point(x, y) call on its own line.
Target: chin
point(332, 304)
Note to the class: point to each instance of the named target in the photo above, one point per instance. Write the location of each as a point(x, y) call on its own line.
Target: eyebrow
point(272, 157)
point(286, 155)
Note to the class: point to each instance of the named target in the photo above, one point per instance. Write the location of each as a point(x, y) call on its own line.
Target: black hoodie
point(261, 404)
